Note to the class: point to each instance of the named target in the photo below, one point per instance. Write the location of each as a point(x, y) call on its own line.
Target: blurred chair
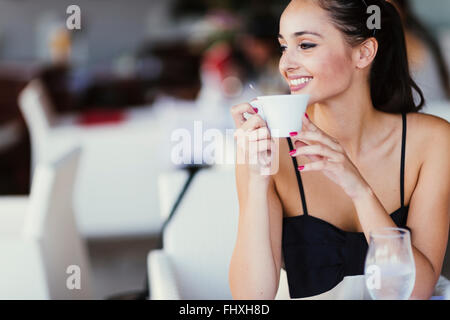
point(170, 185)
point(199, 239)
point(39, 238)
point(116, 191)
point(38, 112)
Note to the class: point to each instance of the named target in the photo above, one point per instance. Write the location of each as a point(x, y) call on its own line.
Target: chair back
point(200, 237)
point(50, 221)
point(38, 111)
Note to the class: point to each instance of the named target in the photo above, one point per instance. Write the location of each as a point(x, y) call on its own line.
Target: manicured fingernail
point(293, 134)
point(293, 152)
point(255, 109)
point(301, 168)
point(306, 115)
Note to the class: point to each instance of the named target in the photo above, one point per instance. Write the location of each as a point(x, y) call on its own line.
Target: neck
point(350, 118)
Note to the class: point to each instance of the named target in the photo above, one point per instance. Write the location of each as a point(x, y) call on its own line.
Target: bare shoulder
point(428, 126)
point(428, 121)
point(429, 134)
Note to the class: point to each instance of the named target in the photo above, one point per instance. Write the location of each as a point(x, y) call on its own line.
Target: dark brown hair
point(390, 80)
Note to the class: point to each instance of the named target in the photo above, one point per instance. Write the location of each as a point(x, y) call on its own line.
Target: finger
point(316, 166)
point(318, 150)
point(260, 152)
point(298, 144)
point(255, 122)
point(318, 136)
point(260, 134)
point(264, 145)
point(308, 124)
point(237, 112)
point(239, 133)
point(260, 146)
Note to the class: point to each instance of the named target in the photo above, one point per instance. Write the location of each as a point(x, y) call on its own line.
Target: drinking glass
point(389, 269)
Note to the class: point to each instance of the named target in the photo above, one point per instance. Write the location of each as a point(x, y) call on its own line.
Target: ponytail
point(390, 79)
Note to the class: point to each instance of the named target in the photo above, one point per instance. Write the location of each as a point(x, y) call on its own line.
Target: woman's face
point(316, 59)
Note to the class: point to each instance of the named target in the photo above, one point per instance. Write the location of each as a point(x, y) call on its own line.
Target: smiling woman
point(326, 46)
point(351, 152)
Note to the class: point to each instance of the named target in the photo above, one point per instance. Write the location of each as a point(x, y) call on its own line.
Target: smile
point(299, 83)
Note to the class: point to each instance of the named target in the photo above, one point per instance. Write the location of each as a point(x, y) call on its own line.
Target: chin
point(311, 96)
point(300, 92)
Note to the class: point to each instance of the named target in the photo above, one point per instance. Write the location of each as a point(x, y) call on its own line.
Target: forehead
point(301, 15)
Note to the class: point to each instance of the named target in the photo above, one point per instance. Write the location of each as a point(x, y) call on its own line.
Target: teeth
point(300, 81)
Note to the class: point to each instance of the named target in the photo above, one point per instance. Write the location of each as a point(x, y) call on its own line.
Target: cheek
point(335, 68)
point(332, 73)
point(282, 65)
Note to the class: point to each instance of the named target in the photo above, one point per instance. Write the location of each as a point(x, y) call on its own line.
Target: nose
point(288, 62)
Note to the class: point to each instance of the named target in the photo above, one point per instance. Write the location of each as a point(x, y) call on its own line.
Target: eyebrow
point(301, 33)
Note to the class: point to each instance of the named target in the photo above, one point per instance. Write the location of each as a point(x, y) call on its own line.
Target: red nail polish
point(306, 115)
point(293, 134)
point(301, 168)
point(293, 152)
point(255, 109)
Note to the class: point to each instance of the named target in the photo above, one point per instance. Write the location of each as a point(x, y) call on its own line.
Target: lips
point(298, 82)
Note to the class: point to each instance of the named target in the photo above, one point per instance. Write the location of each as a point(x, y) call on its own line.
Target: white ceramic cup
point(283, 113)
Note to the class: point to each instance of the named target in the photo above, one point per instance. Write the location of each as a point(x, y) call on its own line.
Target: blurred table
point(116, 193)
point(116, 190)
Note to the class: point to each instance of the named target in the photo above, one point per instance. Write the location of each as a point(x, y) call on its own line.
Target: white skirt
point(350, 288)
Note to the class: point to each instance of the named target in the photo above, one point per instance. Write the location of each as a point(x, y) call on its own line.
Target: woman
point(347, 160)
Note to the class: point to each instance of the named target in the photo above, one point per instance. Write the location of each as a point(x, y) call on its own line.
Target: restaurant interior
point(110, 187)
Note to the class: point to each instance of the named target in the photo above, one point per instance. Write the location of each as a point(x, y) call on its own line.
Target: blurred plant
point(237, 40)
point(215, 27)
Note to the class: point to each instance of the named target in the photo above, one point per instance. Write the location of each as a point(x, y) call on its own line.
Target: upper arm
point(429, 214)
point(274, 206)
point(276, 223)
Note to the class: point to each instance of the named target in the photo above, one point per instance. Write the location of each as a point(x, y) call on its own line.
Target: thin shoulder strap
point(402, 164)
point(299, 179)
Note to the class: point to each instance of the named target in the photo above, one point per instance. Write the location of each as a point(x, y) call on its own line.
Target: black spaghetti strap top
point(317, 254)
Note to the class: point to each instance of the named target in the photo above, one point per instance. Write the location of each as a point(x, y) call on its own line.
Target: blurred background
point(118, 87)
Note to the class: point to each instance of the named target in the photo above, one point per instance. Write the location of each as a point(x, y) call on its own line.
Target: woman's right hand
point(254, 143)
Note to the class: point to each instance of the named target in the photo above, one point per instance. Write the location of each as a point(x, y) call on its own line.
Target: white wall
point(114, 27)
point(109, 27)
point(435, 13)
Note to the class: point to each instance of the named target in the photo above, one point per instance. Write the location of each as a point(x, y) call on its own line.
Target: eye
point(283, 48)
point(305, 45)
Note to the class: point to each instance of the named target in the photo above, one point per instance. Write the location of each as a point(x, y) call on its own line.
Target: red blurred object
point(98, 117)
point(218, 60)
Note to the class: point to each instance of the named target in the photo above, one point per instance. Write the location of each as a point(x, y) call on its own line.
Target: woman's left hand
point(328, 156)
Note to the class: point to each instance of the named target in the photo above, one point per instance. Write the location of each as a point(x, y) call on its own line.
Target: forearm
point(426, 277)
point(252, 268)
point(372, 215)
point(371, 212)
